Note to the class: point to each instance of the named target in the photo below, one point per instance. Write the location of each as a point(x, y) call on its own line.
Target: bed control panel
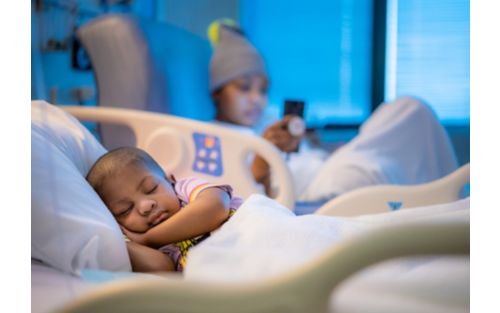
point(208, 156)
point(394, 205)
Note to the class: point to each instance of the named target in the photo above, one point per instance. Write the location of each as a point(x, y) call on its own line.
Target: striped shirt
point(187, 190)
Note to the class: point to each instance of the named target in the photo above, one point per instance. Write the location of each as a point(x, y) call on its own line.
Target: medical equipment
point(306, 289)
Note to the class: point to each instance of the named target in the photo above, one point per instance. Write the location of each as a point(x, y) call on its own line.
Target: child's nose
point(256, 96)
point(146, 205)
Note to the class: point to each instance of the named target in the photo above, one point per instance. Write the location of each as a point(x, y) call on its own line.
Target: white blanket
point(264, 239)
point(401, 143)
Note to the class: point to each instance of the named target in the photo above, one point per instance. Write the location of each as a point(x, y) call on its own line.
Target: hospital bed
point(306, 289)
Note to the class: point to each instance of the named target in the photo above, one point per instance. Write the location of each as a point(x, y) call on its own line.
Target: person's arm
point(146, 259)
point(278, 135)
point(204, 214)
point(261, 173)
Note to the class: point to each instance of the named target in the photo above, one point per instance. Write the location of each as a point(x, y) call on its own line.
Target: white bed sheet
point(401, 143)
point(264, 239)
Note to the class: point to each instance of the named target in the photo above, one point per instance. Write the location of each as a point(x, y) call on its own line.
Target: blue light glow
point(318, 51)
point(428, 55)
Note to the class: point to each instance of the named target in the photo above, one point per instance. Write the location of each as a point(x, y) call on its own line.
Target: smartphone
point(294, 107)
point(296, 125)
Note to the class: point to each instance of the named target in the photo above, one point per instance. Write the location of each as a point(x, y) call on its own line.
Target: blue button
point(208, 154)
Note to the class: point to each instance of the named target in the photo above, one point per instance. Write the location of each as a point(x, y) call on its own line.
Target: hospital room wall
point(194, 15)
point(53, 76)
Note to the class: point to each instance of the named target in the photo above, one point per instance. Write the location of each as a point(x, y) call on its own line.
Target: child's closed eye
point(125, 212)
point(152, 189)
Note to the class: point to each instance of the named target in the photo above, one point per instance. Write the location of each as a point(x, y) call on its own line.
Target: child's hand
point(278, 134)
point(140, 238)
point(145, 259)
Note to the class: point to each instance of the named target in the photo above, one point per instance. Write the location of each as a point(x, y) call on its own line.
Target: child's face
point(139, 198)
point(242, 100)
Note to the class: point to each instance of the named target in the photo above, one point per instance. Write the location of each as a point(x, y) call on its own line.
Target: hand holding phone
point(295, 126)
point(294, 107)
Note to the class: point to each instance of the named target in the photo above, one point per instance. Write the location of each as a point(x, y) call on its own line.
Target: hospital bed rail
point(156, 132)
point(386, 198)
point(305, 290)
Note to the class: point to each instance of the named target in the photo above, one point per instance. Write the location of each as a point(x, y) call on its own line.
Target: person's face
point(242, 100)
point(139, 198)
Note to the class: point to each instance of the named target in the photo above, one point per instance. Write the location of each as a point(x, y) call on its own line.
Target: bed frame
point(387, 198)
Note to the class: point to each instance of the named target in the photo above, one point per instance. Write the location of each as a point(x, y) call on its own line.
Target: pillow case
point(71, 228)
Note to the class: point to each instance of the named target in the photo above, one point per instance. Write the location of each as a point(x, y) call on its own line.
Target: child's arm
point(278, 135)
point(261, 173)
point(204, 214)
point(145, 259)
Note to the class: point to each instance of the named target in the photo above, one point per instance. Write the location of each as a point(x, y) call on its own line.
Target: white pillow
point(71, 228)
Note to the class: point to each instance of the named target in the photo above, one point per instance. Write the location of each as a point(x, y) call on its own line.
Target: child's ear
point(171, 178)
point(216, 95)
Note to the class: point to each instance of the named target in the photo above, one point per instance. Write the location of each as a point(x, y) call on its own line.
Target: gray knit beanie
point(234, 56)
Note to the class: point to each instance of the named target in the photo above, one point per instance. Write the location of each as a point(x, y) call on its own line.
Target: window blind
point(428, 55)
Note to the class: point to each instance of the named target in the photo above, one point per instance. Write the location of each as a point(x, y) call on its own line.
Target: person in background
point(156, 211)
point(239, 88)
point(402, 142)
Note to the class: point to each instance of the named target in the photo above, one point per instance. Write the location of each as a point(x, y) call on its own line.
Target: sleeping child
point(163, 217)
